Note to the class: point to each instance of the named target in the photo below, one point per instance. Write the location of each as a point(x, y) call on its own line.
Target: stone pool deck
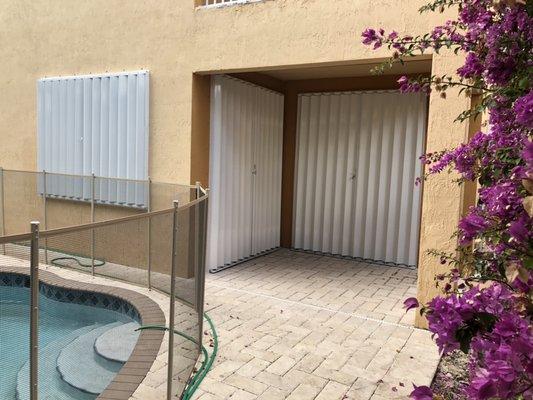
point(300, 326)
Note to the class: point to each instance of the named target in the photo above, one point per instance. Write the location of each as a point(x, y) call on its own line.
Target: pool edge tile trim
point(74, 296)
point(133, 371)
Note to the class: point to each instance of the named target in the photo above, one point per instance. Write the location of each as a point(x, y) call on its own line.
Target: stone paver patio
point(294, 325)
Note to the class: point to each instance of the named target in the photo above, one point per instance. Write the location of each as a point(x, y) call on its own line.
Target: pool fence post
point(3, 225)
point(45, 217)
point(198, 190)
point(203, 250)
point(198, 232)
point(34, 310)
point(172, 300)
point(93, 178)
point(149, 233)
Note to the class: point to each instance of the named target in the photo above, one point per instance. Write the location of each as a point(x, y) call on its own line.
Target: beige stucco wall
point(442, 199)
point(172, 40)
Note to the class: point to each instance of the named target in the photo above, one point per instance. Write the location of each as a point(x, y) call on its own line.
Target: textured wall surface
point(442, 200)
point(173, 40)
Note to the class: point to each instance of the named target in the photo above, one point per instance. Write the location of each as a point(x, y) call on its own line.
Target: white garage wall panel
point(95, 124)
point(245, 171)
point(357, 161)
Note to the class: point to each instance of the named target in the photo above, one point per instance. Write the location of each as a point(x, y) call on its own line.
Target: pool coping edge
point(146, 350)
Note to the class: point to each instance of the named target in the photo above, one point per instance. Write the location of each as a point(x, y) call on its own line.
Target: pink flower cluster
point(492, 323)
point(501, 341)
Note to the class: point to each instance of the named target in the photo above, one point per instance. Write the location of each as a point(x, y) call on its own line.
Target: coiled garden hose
point(54, 261)
point(207, 362)
point(71, 257)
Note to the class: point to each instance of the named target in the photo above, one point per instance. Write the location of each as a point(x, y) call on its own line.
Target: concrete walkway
point(300, 326)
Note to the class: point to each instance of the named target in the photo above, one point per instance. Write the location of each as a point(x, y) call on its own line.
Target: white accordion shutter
point(357, 161)
point(245, 171)
point(95, 124)
point(268, 148)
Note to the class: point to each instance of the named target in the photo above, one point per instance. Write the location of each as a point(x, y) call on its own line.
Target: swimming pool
point(79, 347)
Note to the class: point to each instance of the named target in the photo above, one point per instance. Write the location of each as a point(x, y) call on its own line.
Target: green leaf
point(523, 83)
point(464, 336)
point(480, 322)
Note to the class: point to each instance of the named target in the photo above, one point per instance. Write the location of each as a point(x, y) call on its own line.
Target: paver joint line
point(316, 328)
point(314, 307)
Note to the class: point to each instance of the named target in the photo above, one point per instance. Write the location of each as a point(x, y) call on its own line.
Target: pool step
point(51, 386)
point(80, 366)
point(117, 343)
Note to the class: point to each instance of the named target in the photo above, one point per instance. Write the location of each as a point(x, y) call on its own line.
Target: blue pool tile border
point(147, 348)
point(75, 296)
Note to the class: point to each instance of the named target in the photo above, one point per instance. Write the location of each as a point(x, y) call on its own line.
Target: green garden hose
point(71, 257)
point(207, 361)
point(192, 386)
point(54, 261)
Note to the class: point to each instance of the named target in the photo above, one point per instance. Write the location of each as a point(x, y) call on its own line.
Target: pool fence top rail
point(201, 195)
point(36, 239)
point(23, 237)
point(98, 177)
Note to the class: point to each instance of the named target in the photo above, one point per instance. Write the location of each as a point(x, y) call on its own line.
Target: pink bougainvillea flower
point(421, 393)
point(410, 303)
point(492, 321)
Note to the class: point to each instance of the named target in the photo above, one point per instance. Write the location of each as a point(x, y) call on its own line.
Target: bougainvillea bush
point(486, 306)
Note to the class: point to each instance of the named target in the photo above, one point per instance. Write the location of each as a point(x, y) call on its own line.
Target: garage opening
point(356, 164)
point(245, 171)
point(321, 159)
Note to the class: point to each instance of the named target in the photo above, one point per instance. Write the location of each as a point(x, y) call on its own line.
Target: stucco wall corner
point(442, 198)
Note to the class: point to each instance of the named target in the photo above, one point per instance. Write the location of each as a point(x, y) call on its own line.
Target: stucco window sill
point(226, 4)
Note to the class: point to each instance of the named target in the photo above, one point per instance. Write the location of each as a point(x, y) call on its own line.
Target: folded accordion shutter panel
point(268, 143)
point(95, 124)
point(357, 161)
point(245, 171)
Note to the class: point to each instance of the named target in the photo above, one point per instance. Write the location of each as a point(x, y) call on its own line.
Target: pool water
point(60, 324)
